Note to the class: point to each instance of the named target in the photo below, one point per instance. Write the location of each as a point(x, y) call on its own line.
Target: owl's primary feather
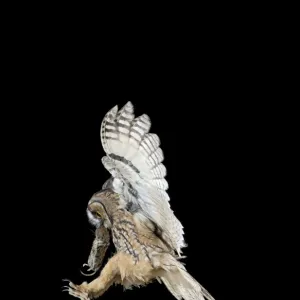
point(135, 160)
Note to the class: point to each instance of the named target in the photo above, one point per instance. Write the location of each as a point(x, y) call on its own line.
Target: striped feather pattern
point(135, 160)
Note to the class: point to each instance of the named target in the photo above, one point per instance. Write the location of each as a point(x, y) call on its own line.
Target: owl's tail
point(183, 286)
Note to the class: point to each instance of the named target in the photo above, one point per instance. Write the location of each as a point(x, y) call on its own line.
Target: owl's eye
point(98, 214)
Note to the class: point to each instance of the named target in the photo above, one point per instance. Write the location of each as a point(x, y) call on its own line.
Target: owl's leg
point(109, 275)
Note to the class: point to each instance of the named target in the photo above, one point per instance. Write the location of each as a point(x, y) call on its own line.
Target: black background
point(194, 88)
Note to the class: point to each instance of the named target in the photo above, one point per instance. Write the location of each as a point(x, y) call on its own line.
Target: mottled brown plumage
point(142, 255)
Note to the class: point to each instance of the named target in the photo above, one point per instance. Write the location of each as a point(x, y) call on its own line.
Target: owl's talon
point(65, 286)
point(89, 269)
point(85, 274)
point(79, 291)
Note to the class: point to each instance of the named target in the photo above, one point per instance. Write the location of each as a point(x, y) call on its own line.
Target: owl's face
point(96, 213)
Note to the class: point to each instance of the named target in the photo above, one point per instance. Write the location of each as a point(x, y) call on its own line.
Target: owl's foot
point(79, 291)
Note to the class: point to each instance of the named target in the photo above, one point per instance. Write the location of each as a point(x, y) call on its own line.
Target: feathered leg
point(109, 275)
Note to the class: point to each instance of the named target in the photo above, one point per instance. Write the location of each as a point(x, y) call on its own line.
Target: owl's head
point(97, 213)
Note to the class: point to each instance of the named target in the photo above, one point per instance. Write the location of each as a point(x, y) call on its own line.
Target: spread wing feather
point(135, 160)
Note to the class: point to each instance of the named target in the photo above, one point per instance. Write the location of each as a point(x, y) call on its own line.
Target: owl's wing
point(134, 159)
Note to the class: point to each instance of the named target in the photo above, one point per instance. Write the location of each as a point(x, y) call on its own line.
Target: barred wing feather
point(134, 159)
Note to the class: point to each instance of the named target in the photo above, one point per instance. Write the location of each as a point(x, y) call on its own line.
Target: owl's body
point(133, 210)
point(139, 240)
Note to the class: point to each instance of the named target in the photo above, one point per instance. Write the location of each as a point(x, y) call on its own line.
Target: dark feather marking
point(143, 247)
point(153, 145)
point(158, 232)
point(111, 130)
point(132, 137)
point(145, 147)
point(123, 126)
point(132, 207)
point(124, 118)
point(125, 161)
point(131, 190)
point(129, 112)
point(137, 132)
point(110, 123)
point(126, 222)
point(111, 116)
point(127, 242)
point(139, 126)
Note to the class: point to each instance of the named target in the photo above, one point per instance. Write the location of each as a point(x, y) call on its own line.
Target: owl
point(132, 210)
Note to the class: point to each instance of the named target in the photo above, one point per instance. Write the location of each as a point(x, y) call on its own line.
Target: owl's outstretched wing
point(134, 159)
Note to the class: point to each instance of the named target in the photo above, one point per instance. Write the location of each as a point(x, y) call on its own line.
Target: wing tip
point(129, 106)
point(114, 110)
point(146, 118)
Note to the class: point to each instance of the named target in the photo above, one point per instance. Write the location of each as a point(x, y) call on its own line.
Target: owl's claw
point(89, 269)
point(79, 291)
point(85, 274)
